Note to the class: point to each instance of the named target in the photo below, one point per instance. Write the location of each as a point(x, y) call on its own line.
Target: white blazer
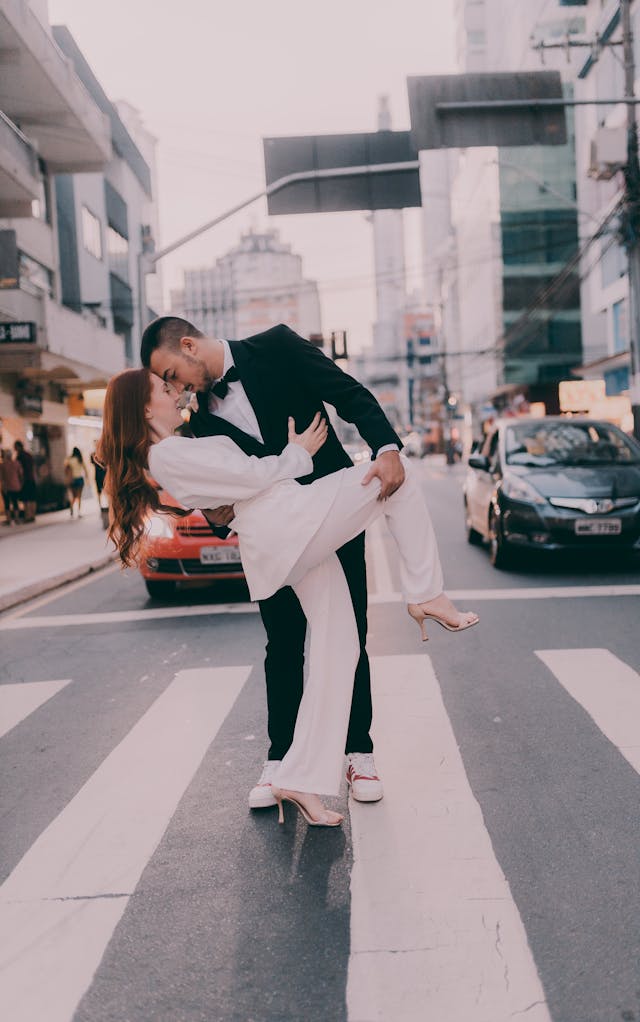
point(275, 517)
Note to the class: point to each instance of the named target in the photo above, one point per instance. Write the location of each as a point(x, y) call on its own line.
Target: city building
point(399, 367)
point(106, 220)
point(254, 286)
point(67, 214)
point(501, 225)
point(601, 152)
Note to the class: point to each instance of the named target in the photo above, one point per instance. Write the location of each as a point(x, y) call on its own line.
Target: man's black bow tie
point(222, 386)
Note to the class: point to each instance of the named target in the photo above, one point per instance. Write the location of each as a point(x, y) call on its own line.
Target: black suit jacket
point(283, 375)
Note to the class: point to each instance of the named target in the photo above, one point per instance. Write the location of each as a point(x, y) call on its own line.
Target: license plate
point(219, 554)
point(598, 526)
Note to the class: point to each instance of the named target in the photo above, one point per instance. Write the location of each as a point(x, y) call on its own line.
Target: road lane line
point(607, 688)
point(377, 551)
point(523, 593)
point(18, 700)
point(64, 590)
point(126, 616)
point(63, 900)
point(129, 616)
point(435, 932)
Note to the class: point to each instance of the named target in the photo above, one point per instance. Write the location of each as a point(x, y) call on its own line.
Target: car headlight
point(158, 527)
point(519, 489)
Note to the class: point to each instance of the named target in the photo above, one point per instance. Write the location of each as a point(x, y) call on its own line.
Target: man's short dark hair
point(165, 332)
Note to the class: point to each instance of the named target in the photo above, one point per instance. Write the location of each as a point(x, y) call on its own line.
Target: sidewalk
point(53, 550)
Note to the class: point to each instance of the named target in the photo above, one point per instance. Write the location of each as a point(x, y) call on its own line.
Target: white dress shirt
point(235, 407)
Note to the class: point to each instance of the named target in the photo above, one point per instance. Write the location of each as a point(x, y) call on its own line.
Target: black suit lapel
point(260, 395)
point(203, 423)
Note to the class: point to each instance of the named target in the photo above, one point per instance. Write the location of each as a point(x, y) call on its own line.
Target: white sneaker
point(261, 795)
point(365, 784)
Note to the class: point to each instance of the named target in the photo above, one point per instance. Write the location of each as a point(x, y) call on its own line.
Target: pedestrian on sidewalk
point(75, 474)
point(11, 485)
point(28, 491)
point(99, 474)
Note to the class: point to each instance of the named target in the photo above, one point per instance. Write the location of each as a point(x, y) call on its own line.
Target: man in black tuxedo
point(247, 390)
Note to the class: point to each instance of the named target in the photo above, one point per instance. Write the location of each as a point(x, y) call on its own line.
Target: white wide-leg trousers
point(315, 758)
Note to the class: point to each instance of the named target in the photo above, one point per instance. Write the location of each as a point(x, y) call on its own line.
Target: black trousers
point(286, 628)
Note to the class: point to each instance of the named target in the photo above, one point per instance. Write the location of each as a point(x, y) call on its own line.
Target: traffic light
point(339, 344)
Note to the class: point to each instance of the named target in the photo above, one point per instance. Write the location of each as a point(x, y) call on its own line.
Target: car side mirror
point(479, 461)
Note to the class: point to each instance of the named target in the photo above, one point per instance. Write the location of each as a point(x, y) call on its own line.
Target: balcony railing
point(18, 145)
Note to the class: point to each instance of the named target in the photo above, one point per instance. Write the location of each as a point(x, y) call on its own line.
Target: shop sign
point(17, 333)
point(580, 395)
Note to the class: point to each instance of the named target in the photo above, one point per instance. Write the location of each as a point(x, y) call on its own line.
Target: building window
point(613, 264)
point(620, 326)
point(616, 381)
point(118, 253)
point(35, 278)
point(91, 233)
point(41, 207)
point(476, 38)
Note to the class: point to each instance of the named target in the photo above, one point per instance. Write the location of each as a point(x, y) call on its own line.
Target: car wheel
point(473, 536)
point(160, 590)
point(499, 553)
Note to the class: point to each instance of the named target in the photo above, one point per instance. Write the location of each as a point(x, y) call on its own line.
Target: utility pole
point(444, 380)
point(631, 216)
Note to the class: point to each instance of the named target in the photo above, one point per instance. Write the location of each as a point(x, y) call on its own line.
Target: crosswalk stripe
point(607, 688)
point(18, 700)
point(435, 932)
point(62, 901)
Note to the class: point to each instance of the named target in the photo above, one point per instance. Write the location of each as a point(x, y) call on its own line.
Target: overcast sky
point(212, 77)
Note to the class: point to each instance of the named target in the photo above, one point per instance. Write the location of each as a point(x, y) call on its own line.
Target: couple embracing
point(264, 461)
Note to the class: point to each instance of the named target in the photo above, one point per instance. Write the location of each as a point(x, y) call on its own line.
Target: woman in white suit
point(288, 535)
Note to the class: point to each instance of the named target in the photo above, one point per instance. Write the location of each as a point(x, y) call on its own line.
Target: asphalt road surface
point(498, 879)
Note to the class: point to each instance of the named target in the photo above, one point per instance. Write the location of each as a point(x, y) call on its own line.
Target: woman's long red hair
point(123, 449)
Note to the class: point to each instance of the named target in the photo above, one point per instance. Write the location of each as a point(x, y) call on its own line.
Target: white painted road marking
point(69, 587)
point(126, 616)
point(607, 688)
point(477, 595)
point(435, 932)
point(63, 900)
point(17, 701)
point(524, 593)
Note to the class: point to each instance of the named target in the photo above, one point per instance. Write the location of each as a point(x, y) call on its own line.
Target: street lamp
point(147, 260)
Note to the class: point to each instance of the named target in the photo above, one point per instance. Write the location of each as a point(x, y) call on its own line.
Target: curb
point(46, 585)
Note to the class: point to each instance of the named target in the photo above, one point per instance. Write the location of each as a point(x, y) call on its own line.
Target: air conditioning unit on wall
point(608, 152)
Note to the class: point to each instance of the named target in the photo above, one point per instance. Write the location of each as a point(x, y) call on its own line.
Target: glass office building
point(541, 285)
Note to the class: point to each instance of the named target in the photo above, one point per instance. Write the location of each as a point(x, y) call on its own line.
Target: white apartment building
point(106, 219)
point(389, 262)
point(399, 367)
point(600, 153)
point(254, 286)
point(64, 157)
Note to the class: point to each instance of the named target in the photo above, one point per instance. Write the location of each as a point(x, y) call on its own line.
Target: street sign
point(458, 111)
point(17, 333)
point(305, 153)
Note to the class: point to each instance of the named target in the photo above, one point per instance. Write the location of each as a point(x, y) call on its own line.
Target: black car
point(556, 483)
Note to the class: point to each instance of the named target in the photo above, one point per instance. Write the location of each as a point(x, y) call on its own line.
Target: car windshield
point(543, 444)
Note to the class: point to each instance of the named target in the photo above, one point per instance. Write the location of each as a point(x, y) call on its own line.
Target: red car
point(185, 550)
